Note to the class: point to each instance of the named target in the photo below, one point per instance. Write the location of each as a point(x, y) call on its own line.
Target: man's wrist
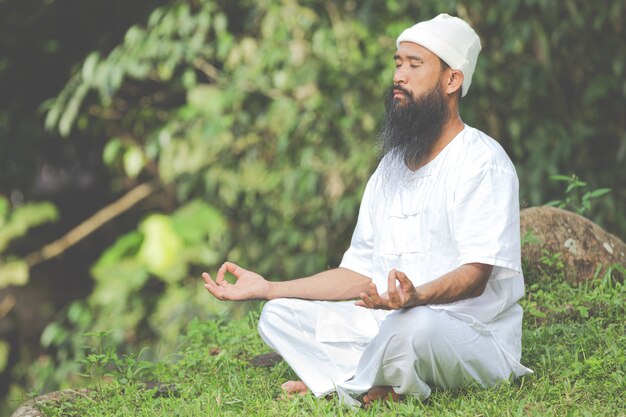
point(271, 290)
point(418, 299)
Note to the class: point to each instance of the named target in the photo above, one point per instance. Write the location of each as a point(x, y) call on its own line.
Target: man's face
point(416, 107)
point(417, 71)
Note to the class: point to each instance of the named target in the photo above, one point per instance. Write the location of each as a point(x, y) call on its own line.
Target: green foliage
point(159, 255)
point(266, 172)
point(96, 362)
point(15, 223)
point(574, 201)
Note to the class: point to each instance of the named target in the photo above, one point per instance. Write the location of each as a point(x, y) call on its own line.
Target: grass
point(574, 339)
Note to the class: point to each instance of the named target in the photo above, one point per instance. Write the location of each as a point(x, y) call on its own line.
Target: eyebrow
point(410, 57)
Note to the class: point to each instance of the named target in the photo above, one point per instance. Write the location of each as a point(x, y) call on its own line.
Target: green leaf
point(116, 280)
point(134, 36)
point(52, 334)
point(4, 209)
point(133, 161)
point(125, 246)
point(71, 110)
point(566, 178)
point(599, 192)
point(89, 67)
point(13, 273)
point(111, 151)
point(25, 217)
point(206, 99)
point(198, 221)
point(161, 249)
point(5, 350)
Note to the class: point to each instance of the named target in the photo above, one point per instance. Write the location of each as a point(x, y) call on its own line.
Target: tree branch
point(90, 225)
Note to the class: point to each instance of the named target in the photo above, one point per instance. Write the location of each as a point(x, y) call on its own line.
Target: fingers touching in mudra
point(400, 295)
point(248, 285)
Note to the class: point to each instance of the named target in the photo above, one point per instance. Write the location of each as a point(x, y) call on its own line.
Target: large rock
point(583, 245)
point(34, 407)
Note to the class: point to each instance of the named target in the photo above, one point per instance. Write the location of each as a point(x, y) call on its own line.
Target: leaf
point(5, 349)
point(537, 313)
point(197, 221)
point(4, 209)
point(13, 273)
point(161, 249)
point(111, 150)
point(71, 110)
point(116, 280)
point(134, 36)
point(206, 99)
point(25, 217)
point(125, 246)
point(89, 67)
point(561, 178)
point(34, 214)
point(52, 334)
point(599, 192)
point(133, 161)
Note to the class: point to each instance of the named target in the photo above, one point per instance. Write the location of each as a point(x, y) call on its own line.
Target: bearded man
point(438, 228)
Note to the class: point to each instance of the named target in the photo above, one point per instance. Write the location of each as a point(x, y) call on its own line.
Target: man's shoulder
point(478, 141)
point(481, 150)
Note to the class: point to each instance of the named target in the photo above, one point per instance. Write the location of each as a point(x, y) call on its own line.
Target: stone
point(266, 359)
point(31, 408)
point(583, 245)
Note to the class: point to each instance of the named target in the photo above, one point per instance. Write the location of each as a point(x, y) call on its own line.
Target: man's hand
point(249, 285)
point(396, 297)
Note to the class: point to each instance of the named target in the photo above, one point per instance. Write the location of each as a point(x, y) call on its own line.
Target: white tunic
point(460, 208)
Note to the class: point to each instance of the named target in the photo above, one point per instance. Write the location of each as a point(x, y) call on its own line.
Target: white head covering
point(451, 39)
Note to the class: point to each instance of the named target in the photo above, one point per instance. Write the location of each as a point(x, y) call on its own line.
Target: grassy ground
point(574, 339)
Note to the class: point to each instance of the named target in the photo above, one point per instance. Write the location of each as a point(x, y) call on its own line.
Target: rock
point(266, 359)
point(32, 407)
point(583, 245)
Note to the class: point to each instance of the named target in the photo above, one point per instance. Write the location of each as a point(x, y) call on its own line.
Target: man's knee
point(417, 320)
point(416, 328)
point(272, 313)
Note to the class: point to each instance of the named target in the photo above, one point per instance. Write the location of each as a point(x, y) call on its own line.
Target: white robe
point(460, 208)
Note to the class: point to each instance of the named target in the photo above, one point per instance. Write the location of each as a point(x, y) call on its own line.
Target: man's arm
point(334, 284)
point(467, 281)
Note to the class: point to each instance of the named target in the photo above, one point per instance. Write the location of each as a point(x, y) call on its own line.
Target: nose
point(399, 76)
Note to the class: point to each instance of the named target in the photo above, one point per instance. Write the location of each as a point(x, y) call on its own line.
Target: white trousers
point(339, 346)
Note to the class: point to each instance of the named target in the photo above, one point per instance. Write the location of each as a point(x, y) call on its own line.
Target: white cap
point(451, 39)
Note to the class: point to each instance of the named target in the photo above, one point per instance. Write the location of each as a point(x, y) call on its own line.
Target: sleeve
point(359, 255)
point(485, 222)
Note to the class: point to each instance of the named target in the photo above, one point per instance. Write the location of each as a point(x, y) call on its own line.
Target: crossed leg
point(437, 350)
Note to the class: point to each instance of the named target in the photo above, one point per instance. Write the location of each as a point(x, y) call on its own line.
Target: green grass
point(574, 339)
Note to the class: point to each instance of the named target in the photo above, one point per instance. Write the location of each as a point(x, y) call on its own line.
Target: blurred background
point(145, 141)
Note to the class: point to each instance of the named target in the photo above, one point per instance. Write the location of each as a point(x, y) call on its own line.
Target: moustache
point(397, 87)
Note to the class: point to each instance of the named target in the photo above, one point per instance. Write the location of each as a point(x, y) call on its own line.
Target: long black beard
point(412, 126)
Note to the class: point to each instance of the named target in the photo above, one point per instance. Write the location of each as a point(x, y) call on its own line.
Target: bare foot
point(290, 388)
point(380, 393)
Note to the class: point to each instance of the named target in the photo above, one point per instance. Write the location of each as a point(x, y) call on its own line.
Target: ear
point(453, 81)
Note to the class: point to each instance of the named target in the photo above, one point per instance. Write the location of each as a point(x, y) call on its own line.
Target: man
point(438, 228)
